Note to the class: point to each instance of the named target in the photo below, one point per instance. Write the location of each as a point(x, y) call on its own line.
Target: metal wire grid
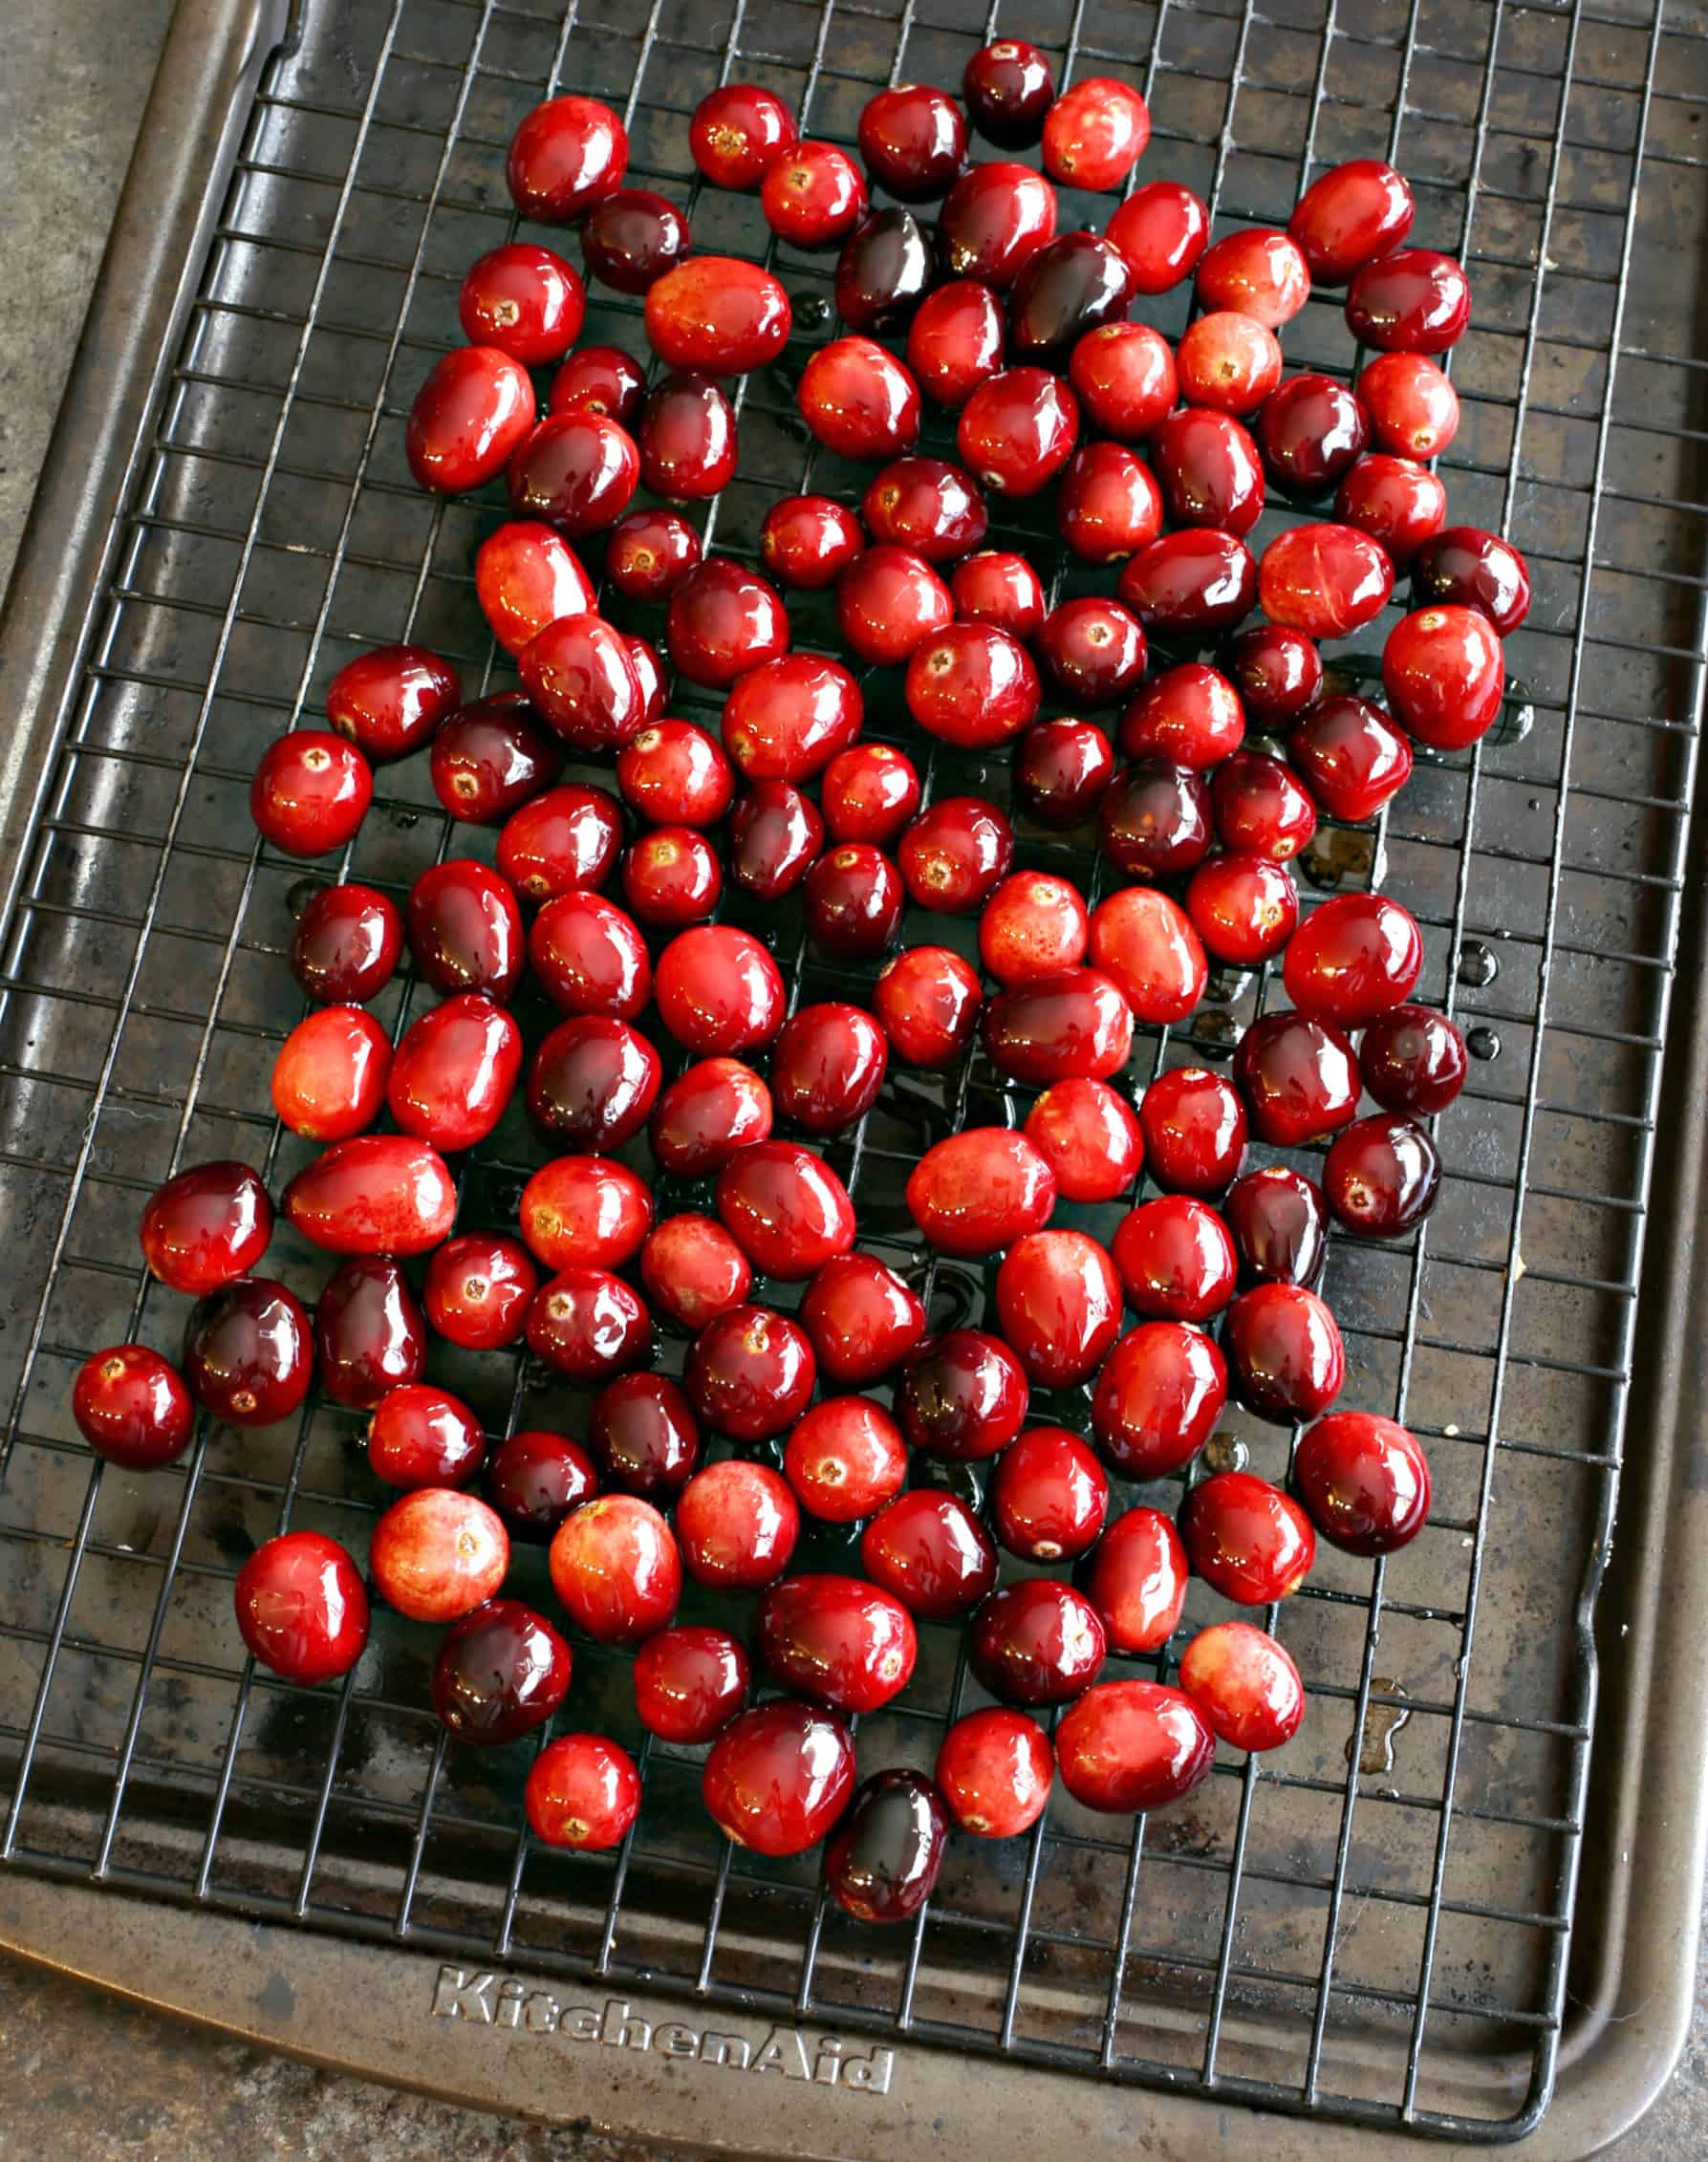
point(1295, 1939)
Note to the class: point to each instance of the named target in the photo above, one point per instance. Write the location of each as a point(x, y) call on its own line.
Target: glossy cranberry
point(575, 472)
point(455, 1072)
point(599, 379)
point(972, 685)
point(311, 792)
point(882, 1863)
point(535, 1479)
point(955, 341)
point(813, 195)
point(1049, 1495)
point(474, 409)
point(583, 1791)
point(1325, 580)
point(1124, 376)
point(786, 1208)
point(827, 1065)
point(1147, 944)
point(1059, 1301)
point(837, 1639)
point(1276, 671)
point(1176, 1260)
point(719, 991)
point(1095, 133)
point(775, 836)
point(671, 876)
point(132, 1407)
point(785, 719)
point(1017, 431)
point(247, 1353)
point(581, 675)
point(1260, 807)
point(435, 1555)
point(1246, 1538)
point(723, 620)
point(1061, 771)
point(858, 399)
point(1412, 301)
point(1413, 1059)
point(1413, 406)
point(955, 854)
point(346, 944)
point(1310, 432)
point(641, 1430)
point(389, 701)
point(862, 1319)
point(587, 1324)
point(1109, 505)
point(1243, 907)
point(1157, 1399)
point(1353, 214)
point(501, 1672)
point(750, 1373)
point(883, 273)
point(778, 1777)
point(650, 552)
point(807, 541)
point(584, 1208)
point(927, 1001)
point(567, 155)
point(1036, 1642)
point(1033, 925)
point(1153, 820)
point(845, 1459)
point(1245, 1687)
point(738, 1522)
point(1229, 362)
point(593, 1081)
point(616, 1569)
point(420, 1436)
point(562, 841)
point(1279, 1230)
point(1364, 1481)
point(980, 1189)
point(1208, 471)
point(869, 794)
point(710, 1111)
point(329, 1079)
point(912, 140)
point(1353, 957)
point(1088, 1135)
point(961, 1394)
point(995, 219)
point(1466, 567)
point(925, 505)
point(889, 601)
point(302, 1607)
point(1284, 1351)
point(675, 774)
point(689, 1683)
point(1009, 89)
point(1444, 674)
point(370, 1334)
point(477, 1291)
point(1191, 584)
point(693, 1269)
point(1352, 757)
point(491, 758)
point(590, 956)
point(994, 1771)
point(525, 300)
point(1162, 229)
point(738, 132)
point(716, 315)
point(1400, 505)
point(1069, 287)
point(687, 440)
point(931, 1552)
point(630, 238)
point(1259, 272)
point(1195, 1129)
point(1135, 1580)
point(1382, 1175)
point(1093, 650)
point(375, 1194)
point(1298, 1077)
point(466, 929)
point(1073, 1024)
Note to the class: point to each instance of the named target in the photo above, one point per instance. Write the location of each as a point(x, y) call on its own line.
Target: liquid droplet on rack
point(298, 896)
point(1478, 966)
point(1517, 715)
point(1484, 1043)
point(1216, 1035)
point(1337, 856)
point(1381, 1724)
point(1225, 1452)
point(812, 311)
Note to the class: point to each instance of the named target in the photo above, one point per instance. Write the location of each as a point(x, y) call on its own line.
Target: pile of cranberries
point(1181, 727)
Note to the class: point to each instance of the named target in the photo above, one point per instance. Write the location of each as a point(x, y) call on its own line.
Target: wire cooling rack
point(1374, 1925)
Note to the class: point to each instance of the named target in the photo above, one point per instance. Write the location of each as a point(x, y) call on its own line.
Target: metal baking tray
point(1441, 1913)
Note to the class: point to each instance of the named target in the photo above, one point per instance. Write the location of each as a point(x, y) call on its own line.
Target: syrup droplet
point(1225, 1452)
point(1478, 966)
point(1381, 1724)
point(1484, 1043)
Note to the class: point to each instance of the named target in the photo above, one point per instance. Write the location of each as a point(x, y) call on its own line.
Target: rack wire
point(1375, 1925)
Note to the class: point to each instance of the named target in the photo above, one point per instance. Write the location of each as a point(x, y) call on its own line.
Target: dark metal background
point(1373, 1925)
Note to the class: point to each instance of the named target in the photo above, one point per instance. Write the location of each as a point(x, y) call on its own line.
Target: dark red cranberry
point(630, 238)
point(370, 1334)
point(1153, 820)
point(961, 1394)
point(581, 675)
point(738, 132)
point(1037, 1642)
point(247, 1353)
point(490, 758)
point(466, 929)
point(750, 1373)
point(642, 1429)
point(1162, 229)
point(1075, 1024)
point(807, 541)
point(1260, 807)
point(869, 792)
point(302, 1607)
point(775, 835)
point(927, 1001)
point(778, 1777)
point(501, 1672)
point(813, 195)
point(994, 1772)
point(931, 1552)
point(912, 140)
point(615, 1570)
point(1352, 757)
point(590, 956)
point(477, 1291)
point(525, 301)
point(1176, 1260)
point(1444, 674)
point(972, 685)
point(785, 720)
point(693, 1270)
point(435, 1555)
point(389, 701)
point(346, 945)
point(1009, 89)
point(560, 842)
point(583, 1791)
point(837, 1639)
point(1243, 907)
point(650, 552)
point(955, 341)
point(1412, 301)
point(1245, 1686)
point(859, 400)
point(455, 1073)
point(1257, 272)
point(979, 1190)
point(862, 1319)
point(1095, 133)
point(671, 876)
point(845, 1459)
point(955, 854)
point(709, 1112)
point(1059, 1301)
point(1327, 580)
point(587, 1324)
point(1109, 505)
point(687, 439)
point(1400, 505)
point(1382, 1175)
point(1310, 432)
point(1353, 214)
point(132, 1407)
point(723, 620)
point(1466, 567)
point(717, 315)
point(1208, 471)
point(1088, 1135)
point(584, 1209)
point(827, 1066)
point(567, 155)
point(536, 1480)
point(1298, 1077)
point(1279, 1230)
point(1034, 924)
point(1135, 1579)
point(1124, 376)
point(1195, 1129)
point(599, 379)
point(423, 1437)
point(1018, 430)
point(1412, 404)
point(474, 409)
point(883, 273)
point(206, 1228)
point(1246, 1538)
point(888, 601)
point(1069, 287)
point(882, 1863)
point(1061, 771)
point(311, 792)
point(1413, 1059)
point(1353, 957)
point(925, 505)
point(1094, 649)
point(374, 1194)
point(689, 1683)
point(719, 991)
point(786, 1208)
point(995, 219)
point(575, 472)
point(1049, 1495)
point(593, 1081)
point(1284, 1351)
point(1364, 1481)
point(1191, 584)
point(1146, 941)
point(1278, 673)
point(1230, 362)
point(738, 1522)
point(1157, 1399)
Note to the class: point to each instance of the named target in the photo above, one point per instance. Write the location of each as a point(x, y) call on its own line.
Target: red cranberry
point(642, 1432)
point(775, 835)
point(1310, 432)
point(1059, 1300)
point(650, 552)
point(979, 1190)
point(1124, 376)
point(995, 219)
point(672, 877)
point(778, 1777)
point(563, 840)
point(535, 1479)
point(132, 1408)
point(738, 132)
point(1445, 675)
point(586, 1209)
point(845, 1459)
point(1230, 362)
point(1353, 958)
point(859, 400)
point(1088, 1135)
point(1298, 1077)
point(375, 1194)
point(1153, 820)
point(632, 238)
point(862, 1319)
point(1187, 585)
point(785, 720)
point(1284, 1351)
point(1413, 406)
point(1259, 272)
point(827, 1066)
point(1009, 89)
point(882, 1864)
point(389, 701)
point(1276, 673)
point(813, 195)
point(616, 1569)
point(955, 854)
point(1071, 286)
point(247, 1355)
point(955, 341)
point(1018, 430)
point(455, 1073)
point(329, 1078)
point(568, 154)
point(883, 271)
point(1279, 1230)
point(710, 1111)
point(1365, 1482)
point(491, 757)
point(1466, 567)
point(1147, 944)
point(738, 1522)
point(1094, 649)
point(972, 685)
point(1049, 1495)
point(931, 1552)
point(927, 1001)
point(1382, 1175)
point(750, 1373)
point(1109, 505)
point(302, 1607)
point(346, 945)
point(1157, 1399)
point(833, 1638)
point(311, 792)
point(723, 620)
point(1033, 925)
point(888, 601)
point(1193, 1126)
point(1413, 1059)
point(501, 1672)
point(587, 1324)
point(1036, 1642)
point(590, 956)
point(1246, 1538)
point(1095, 133)
point(435, 1556)
point(477, 1291)
point(807, 541)
point(423, 1436)
point(1135, 1580)
point(994, 1771)
point(1352, 757)
point(1162, 229)
point(675, 774)
point(370, 1335)
point(689, 1683)
point(525, 301)
point(1353, 214)
point(1412, 301)
point(580, 674)
point(1245, 1687)
point(474, 409)
point(1208, 471)
point(786, 1208)
point(1075, 1025)
point(961, 1394)
point(593, 1081)
point(583, 1791)
point(912, 140)
point(869, 794)
point(1176, 1260)
point(1243, 907)
point(466, 929)
point(1325, 580)
point(717, 315)
point(575, 472)
point(687, 439)
point(1260, 807)
point(1062, 770)
point(1400, 505)
point(925, 505)
point(693, 1270)
point(599, 379)
point(719, 991)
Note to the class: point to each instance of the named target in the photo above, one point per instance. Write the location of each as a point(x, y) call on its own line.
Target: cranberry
point(1062, 770)
point(1230, 362)
point(1259, 272)
point(435, 1556)
point(710, 1111)
point(1186, 585)
point(567, 155)
point(835, 1638)
point(132, 1407)
point(575, 472)
point(882, 1863)
point(477, 1291)
point(1284, 1351)
point(1153, 820)
point(1009, 89)
point(738, 132)
point(630, 238)
point(247, 1355)
point(490, 758)
point(1412, 301)
point(786, 1208)
point(1278, 1226)
point(1095, 133)
point(672, 877)
point(862, 1319)
point(931, 1552)
point(995, 219)
point(689, 1683)
point(474, 409)
point(859, 400)
point(1094, 649)
point(750, 1373)
point(421, 1436)
point(501, 1672)
point(719, 991)
point(650, 552)
point(1260, 807)
point(809, 541)
point(375, 1194)
point(955, 341)
point(1033, 925)
point(1162, 229)
point(778, 1777)
point(1413, 406)
point(775, 835)
point(1018, 430)
point(1352, 756)
point(972, 685)
point(1243, 907)
point(593, 1081)
point(525, 301)
point(329, 1078)
point(1088, 1135)
point(1276, 671)
point(535, 1479)
point(1110, 506)
point(955, 855)
point(1298, 1077)
point(302, 1607)
point(1466, 567)
point(1353, 958)
point(1324, 579)
point(1135, 1580)
point(466, 929)
point(827, 1065)
point(563, 840)
point(1073, 1024)
point(1176, 1260)
point(1208, 471)
point(616, 1567)
point(723, 620)
point(311, 792)
point(1124, 376)
point(585, 1208)
point(455, 1073)
point(1382, 1175)
point(869, 794)
point(1413, 1059)
point(1400, 505)
point(1246, 1538)
point(1310, 432)
point(961, 1394)
point(813, 195)
point(1245, 1687)
point(1036, 1642)
point(1195, 1129)
point(599, 379)
point(912, 140)
point(738, 1522)
point(927, 1001)
point(925, 505)
point(1353, 214)
point(994, 1772)
point(1365, 1482)
point(1157, 1399)
point(1059, 1300)
point(1147, 944)
point(1445, 675)
point(845, 1459)
point(888, 601)
point(675, 774)
point(587, 1324)
point(580, 674)
point(785, 720)
point(642, 1431)
point(590, 956)
point(370, 1334)
point(1049, 1495)
point(583, 1791)
point(883, 271)
point(693, 1269)
point(687, 439)
point(346, 945)
point(718, 315)
point(389, 701)
point(1071, 286)
point(980, 1189)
